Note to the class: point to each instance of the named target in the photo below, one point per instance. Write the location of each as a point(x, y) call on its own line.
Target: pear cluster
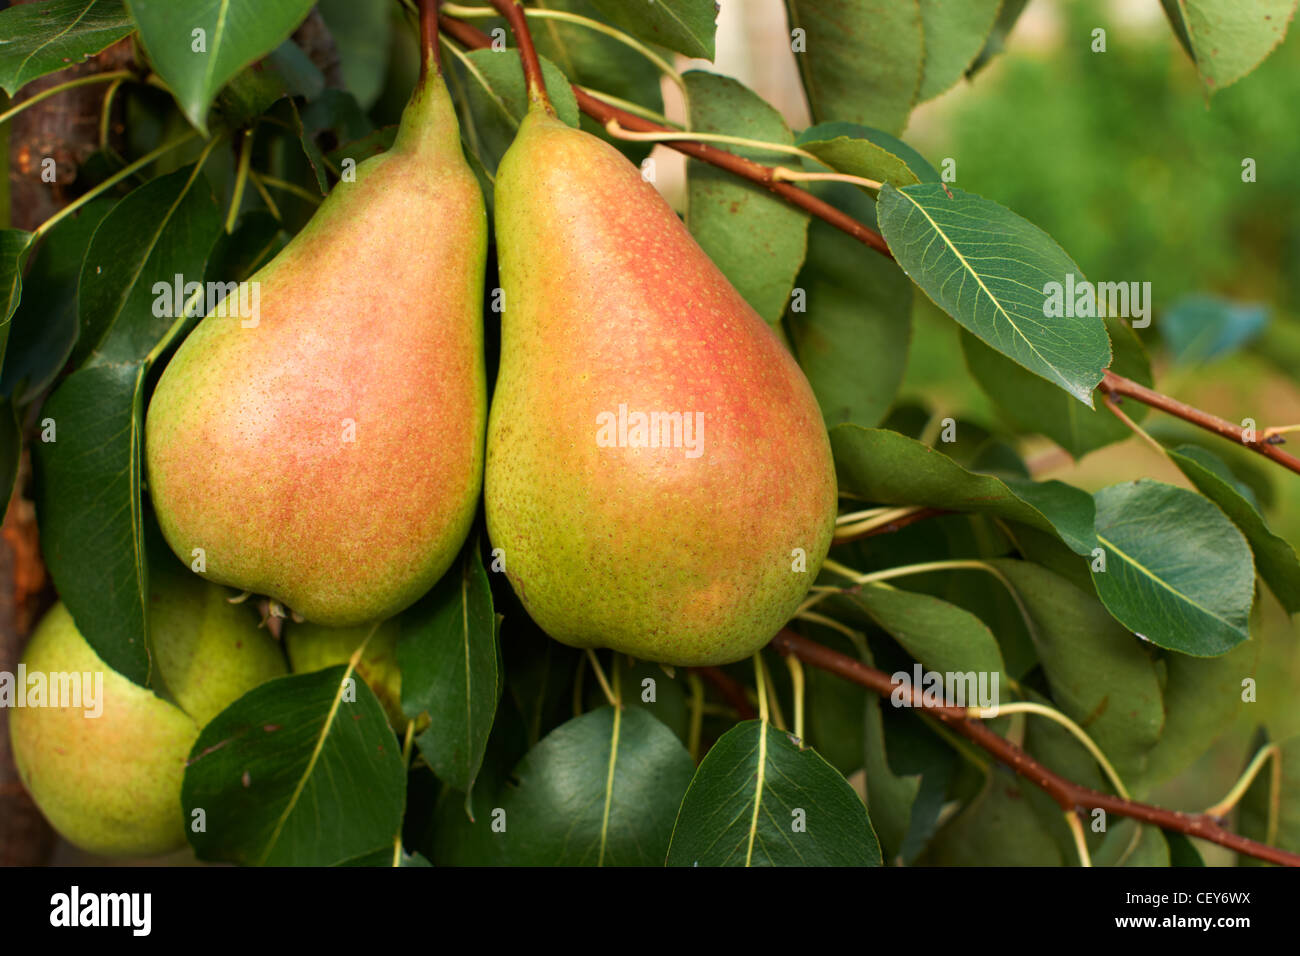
point(655, 468)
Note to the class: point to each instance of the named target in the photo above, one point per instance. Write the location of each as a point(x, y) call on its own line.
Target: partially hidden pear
point(328, 450)
point(658, 474)
point(105, 768)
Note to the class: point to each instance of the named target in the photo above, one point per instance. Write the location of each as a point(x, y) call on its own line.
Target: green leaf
point(943, 637)
point(14, 247)
point(89, 512)
point(196, 48)
point(686, 26)
point(870, 153)
point(41, 38)
point(886, 467)
point(599, 790)
point(759, 800)
point(994, 829)
point(303, 770)
point(861, 60)
point(1275, 558)
point(1226, 39)
point(851, 327)
point(1178, 572)
point(955, 33)
point(1129, 844)
point(988, 268)
point(1099, 675)
point(164, 229)
point(497, 100)
point(1202, 698)
point(45, 324)
point(448, 657)
point(1182, 851)
point(1270, 810)
point(757, 239)
point(362, 32)
point(1034, 405)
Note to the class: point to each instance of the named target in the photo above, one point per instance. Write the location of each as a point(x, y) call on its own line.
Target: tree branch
point(1070, 796)
point(1113, 384)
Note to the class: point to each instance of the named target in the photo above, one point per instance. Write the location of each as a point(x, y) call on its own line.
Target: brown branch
point(1113, 384)
point(730, 689)
point(1070, 796)
point(430, 55)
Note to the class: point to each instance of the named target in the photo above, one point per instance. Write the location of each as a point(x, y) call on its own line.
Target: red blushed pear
point(328, 451)
point(658, 472)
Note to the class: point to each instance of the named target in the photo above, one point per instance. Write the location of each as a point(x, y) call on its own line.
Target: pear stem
point(430, 63)
point(514, 15)
point(564, 16)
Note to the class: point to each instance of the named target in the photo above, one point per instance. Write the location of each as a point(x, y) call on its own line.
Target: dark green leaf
point(1202, 698)
point(41, 38)
point(14, 246)
point(1275, 558)
point(889, 468)
point(1182, 851)
point(599, 790)
point(448, 657)
point(88, 509)
point(303, 770)
point(197, 49)
point(757, 239)
point(1099, 675)
point(45, 325)
point(1129, 844)
point(852, 323)
point(683, 25)
point(759, 800)
point(1178, 572)
point(1002, 27)
point(162, 230)
point(362, 32)
point(995, 829)
point(11, 447)
point(989, 269)
point(1033, 404)
point(861, 60)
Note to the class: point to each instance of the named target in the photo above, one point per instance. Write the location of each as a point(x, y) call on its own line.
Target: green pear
point(111, 784)
point(658, 473)
point(328, 452)
point(314, 648)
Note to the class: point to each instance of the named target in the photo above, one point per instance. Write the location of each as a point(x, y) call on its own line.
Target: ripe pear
point(111, 784)
point(688, 536)
point(313, 648)
point(328, 452)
